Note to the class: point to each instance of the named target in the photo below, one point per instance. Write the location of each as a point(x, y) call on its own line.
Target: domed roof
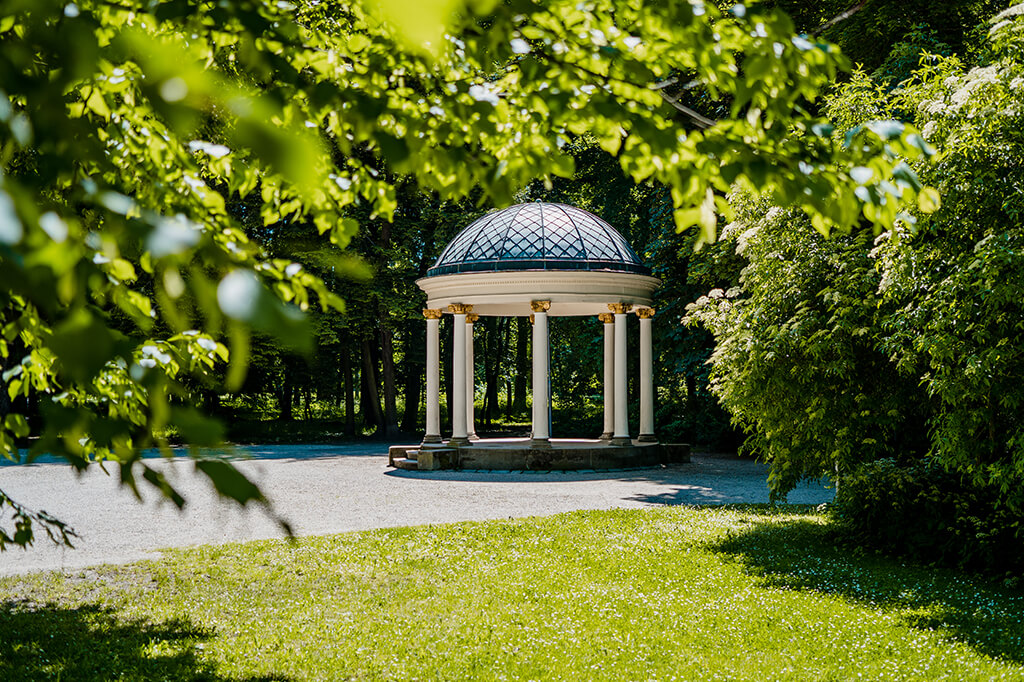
point(538, 236)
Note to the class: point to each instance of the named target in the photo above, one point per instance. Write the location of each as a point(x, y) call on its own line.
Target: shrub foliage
point(931, 515)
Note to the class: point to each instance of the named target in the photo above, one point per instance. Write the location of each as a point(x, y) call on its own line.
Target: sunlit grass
point(672, 593)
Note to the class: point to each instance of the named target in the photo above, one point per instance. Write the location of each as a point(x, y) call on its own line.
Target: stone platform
point(516, 454)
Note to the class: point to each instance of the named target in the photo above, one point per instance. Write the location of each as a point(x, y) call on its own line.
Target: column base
point(607, 435)
point(621, 440)
point(473, 436)
point(647, 438)
point(540, 443)
point(460, 442)
point(430, 439)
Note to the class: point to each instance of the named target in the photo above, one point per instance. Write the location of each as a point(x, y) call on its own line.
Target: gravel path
point(324, 489)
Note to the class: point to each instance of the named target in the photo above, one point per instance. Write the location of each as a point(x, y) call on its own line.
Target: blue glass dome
point(538, 236)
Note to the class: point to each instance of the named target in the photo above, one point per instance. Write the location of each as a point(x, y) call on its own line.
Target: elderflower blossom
point(976, 79)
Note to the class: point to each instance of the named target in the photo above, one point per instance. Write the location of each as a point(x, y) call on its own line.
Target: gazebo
point(538, 260)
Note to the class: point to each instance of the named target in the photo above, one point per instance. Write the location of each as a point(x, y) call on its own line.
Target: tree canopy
point(143, 141)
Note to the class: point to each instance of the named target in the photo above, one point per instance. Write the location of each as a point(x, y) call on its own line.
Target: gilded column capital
point(607, 318)
point(432, 313)
point(540, 306)
point(645, 313)
point(471, 318)
point(531, 318)
point(460, 308)
point(620, 308)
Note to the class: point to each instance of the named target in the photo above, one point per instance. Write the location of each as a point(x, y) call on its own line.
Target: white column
point(470, 379)
point(607, 320)
point(459, 435)
point(433, 430)
point(646, 377)
point(621, 435)
point(541, 399)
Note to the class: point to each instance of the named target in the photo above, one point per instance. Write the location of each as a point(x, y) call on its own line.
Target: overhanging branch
point(842, 16)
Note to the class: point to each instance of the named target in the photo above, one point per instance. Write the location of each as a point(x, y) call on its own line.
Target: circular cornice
point(571, 292)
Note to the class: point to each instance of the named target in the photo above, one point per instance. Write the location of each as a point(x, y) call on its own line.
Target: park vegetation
point(737, 593)
point(215, 213)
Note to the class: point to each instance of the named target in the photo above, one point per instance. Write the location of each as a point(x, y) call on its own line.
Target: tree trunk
point(508, 399)
point(496, 331)
point(387, 348)
point(415, 366)
point(522, 365)
point(287, 394)
point(446, 379)
point(211, 401)
point(350, 397)
point(372, 415)
point(487, 346)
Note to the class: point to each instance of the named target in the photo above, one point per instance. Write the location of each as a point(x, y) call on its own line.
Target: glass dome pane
point(538, 236)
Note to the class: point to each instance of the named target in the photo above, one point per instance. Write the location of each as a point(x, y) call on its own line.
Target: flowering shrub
point(842, 350)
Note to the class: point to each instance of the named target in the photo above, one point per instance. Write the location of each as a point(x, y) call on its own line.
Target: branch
point(701, 121)
point(842, 16)
point(59, 532)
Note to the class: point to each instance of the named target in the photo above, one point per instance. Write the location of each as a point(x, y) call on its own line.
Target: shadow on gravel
point(804, 555)
point(699, 465)
point(49, 642)
point(670, 473)
point(302, 451)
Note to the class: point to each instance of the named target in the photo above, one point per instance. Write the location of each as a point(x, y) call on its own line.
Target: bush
point(930, 515)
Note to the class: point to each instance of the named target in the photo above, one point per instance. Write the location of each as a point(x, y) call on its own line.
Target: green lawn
point(670, 593)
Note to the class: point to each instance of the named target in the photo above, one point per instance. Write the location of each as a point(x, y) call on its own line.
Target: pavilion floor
point(519, 454)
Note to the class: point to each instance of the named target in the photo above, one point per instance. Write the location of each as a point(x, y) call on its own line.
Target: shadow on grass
point(50, 642)
point(802, 554)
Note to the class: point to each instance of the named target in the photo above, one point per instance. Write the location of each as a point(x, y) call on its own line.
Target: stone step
point(406, 463)
point(437, 458)
point(400, 451)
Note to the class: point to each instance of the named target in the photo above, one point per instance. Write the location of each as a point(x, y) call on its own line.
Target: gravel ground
point(324, 489)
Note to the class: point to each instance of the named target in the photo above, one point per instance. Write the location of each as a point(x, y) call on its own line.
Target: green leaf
point(160, 482)
point(928, 200)
point(97, 104)
point(84, 345)
point(357, 42)
point(16, 424)
point(420, 24)
point(229, 481)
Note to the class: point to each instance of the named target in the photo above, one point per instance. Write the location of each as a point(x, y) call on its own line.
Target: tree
point(906, 346)
point(798, 361)
point(954, 280)
point(130, 131)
